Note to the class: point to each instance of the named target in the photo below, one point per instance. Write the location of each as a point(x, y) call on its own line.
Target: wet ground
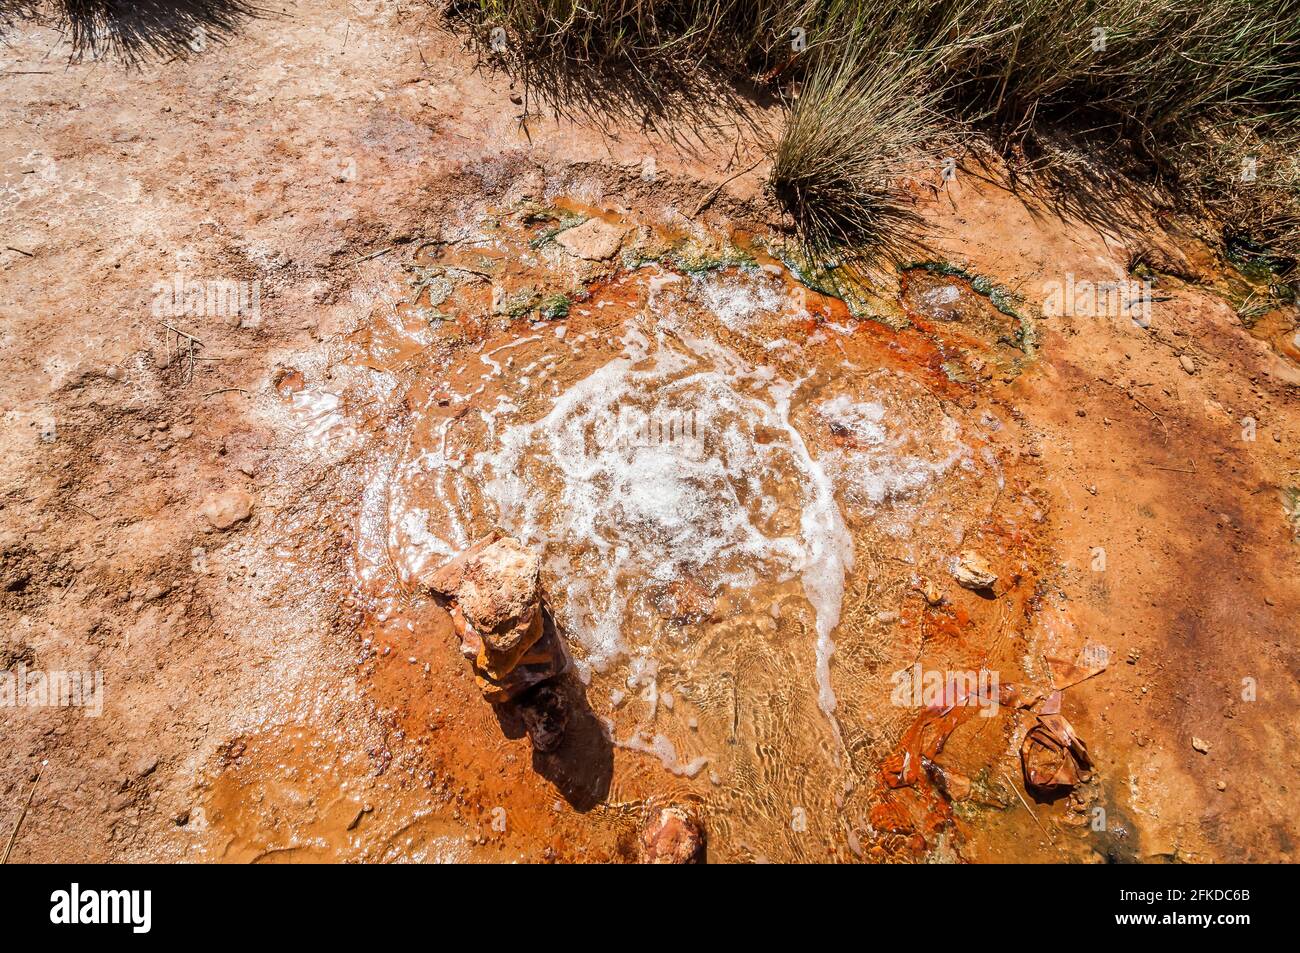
point(749, 501)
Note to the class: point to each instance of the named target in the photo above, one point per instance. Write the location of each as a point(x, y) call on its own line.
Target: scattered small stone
point(1200, 745)
point(226, 509)
point(932, 594)
point(1221, 786)
point(1188, 364)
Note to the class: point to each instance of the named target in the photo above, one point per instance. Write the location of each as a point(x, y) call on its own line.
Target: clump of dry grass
point(853, 132)
point(878, 80)
point(660, 38)
point(1247, 175)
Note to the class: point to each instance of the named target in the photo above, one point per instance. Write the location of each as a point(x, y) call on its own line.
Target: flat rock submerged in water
point(672, 835)
point(593, 240)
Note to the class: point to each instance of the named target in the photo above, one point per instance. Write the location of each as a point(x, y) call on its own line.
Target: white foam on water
point(321, 422)
point(941, 295)
point(745, 501)
point(626, 513)
point(889, 458)
point(662, 747)
point(738, 300)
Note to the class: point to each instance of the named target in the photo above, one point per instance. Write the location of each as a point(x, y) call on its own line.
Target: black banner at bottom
point(335, 903)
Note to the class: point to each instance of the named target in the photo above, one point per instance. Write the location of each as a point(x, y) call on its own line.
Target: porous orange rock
point(673, 835)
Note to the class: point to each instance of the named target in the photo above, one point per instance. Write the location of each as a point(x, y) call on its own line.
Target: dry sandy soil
point(192, 522)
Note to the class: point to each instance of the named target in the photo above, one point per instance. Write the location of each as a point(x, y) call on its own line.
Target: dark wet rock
point(545, 712)
point(672, 835)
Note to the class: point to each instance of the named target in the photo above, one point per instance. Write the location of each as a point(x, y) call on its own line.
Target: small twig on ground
point(184, 334)
point(23, 814)
point(83, 509)
point(373, 254)
point(224, 390)
point(713, 193)
point(1029, 809)
point(190, 341)
point(1164, 431)
point(19, 250)
point(1156, 466)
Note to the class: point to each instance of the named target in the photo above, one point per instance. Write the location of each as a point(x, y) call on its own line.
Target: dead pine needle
point(22, 815)
point(373, 254)
point(1050, 838)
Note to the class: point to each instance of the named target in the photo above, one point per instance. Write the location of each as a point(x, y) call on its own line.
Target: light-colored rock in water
point(500, 601)
point(593, 240)
point(499, 586)
point(226, 509)
point(931, 592)
point(972, 571)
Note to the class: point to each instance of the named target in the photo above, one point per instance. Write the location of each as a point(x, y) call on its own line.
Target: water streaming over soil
point(738, 491)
